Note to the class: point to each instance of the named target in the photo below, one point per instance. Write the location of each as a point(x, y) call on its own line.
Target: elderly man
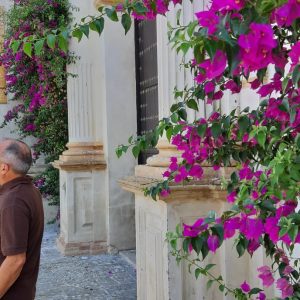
point(21, 223)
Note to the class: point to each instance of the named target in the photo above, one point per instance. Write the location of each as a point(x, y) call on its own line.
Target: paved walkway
point(100, 277)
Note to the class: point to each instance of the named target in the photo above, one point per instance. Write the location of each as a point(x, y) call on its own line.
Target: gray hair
point(17, 155)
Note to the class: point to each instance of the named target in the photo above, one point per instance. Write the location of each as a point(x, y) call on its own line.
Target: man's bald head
point(16, 154)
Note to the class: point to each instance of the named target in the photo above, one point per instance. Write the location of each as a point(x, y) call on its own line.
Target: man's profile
point(21, 223)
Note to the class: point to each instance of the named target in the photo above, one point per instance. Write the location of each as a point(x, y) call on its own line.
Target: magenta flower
point(245, 287)
point(227, 5)
point(294, 54)
point(245, 173)
point(261, 296)
point(253, 246)
point(285, 287)
point(251, 228)
point(213, 243)
point(230, 226)
point(30, 127)
point(231, 197)
point(287, 13)
point(195, 229)
point(266, 276)
point(165, 193)
point(196, 171)
point(209, 20)
point(256, 47)
point(209, 87)
point(213, 68)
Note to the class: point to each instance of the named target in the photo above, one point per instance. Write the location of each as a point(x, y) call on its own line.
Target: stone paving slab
point(98, 277)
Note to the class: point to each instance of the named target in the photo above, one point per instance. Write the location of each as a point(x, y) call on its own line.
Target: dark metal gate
point(146, 80)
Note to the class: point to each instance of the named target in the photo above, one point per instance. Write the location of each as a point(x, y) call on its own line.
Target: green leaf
point(77, 33)
point(197, 244)
point(62, 43)
point(185, 245)
point(296, 75)
point(209, 266)
point(191, 103)
point(15, 45)
point(261, 138)
point(27, 48)
point(97, 25)
point(293, 232)
point(297, 140)
point(201, 129)
point(169, 133)
point(222, 287)
point(85, 29)
point(198, 271)
point(112, 14)
point(140, 8)
point(136, 151)
point(216, 130)
point(126, 22)
point(244, 123)
point(209, 284)
point(38, 46)
point(51, 39)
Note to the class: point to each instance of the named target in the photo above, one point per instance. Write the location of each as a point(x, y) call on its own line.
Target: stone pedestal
point(158, 275)
point(83, 202)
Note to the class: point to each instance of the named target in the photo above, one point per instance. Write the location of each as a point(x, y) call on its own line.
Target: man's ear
point(4, 168)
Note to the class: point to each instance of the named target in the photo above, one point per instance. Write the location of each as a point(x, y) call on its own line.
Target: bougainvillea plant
point(38, 83)
point(233, 41)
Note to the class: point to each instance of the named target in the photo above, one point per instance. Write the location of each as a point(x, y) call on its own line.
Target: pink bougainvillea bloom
point(256, 47)
point(261, 296)
point(166, 174)
point(285, 287)
point(230, 226)
point(30, 127)
point(181, 175)
point(288, 270)
point(245, 287)
point(213, 243)
point(266, 275)
point(255, 84)
point(218, 95)
point(196, 171)
point(287, 13)
point(165, 193)
point(209, 20)
point(227, 5)
point(195, 229)
point(254, 195)
point(216, 168)
point(213, 68)
point(272, 229)
point(209, 87)
point(231, 197)
point(294, 54)
point(253, 246)
point(233, 87)
point(251, 228)
point(245, 173)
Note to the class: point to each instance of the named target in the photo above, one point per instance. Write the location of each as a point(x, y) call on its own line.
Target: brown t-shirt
point(21, 230)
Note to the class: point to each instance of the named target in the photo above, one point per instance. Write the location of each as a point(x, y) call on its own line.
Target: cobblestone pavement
point(99, 277)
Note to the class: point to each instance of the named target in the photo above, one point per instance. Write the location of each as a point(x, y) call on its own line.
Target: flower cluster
point(238, 41)
point(38, 82)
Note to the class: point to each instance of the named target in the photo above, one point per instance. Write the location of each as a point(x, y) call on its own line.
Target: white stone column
point(96, 214)
point(83, 199)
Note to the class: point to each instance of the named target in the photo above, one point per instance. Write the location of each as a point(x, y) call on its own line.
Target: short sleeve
point(14, 230)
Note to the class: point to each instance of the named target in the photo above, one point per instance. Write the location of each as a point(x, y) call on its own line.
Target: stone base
point(81, 248)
